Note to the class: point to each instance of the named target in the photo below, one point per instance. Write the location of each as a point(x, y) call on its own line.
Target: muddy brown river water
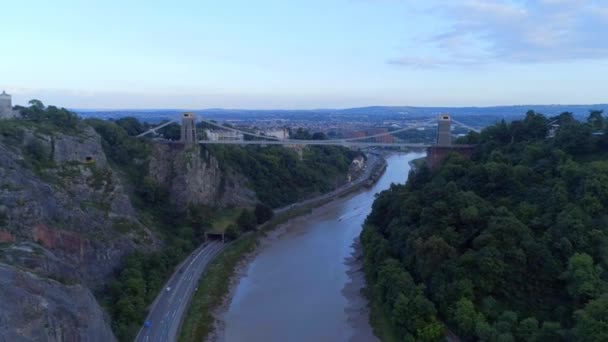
point(304, 282)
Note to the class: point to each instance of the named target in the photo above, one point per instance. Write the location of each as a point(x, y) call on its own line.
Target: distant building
point(281, 133)
point(444, 130)
point(6, 107)
point(351, 135)
point(218, 135)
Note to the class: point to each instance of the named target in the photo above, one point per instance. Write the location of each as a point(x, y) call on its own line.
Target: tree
point(319, 136)
point(300, 134)
point(263, 213)
point(131, 125)
point(171, 132)
point(596, 120)
point(583, 278)
point(149, 190)
point(232, 232)
point(592, 321)
point(574, 138)
point(36, 150)
point(246, 220)
point(465, 316)
point(36, 104)
point(550, 332)
point(527, 329)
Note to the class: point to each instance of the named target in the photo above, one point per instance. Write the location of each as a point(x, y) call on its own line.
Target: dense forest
point(279, 177)
point(511, 245)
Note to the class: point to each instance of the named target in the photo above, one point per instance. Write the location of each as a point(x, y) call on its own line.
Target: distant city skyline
point(312, 54)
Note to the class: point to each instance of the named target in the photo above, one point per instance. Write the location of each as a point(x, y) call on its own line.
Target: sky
point(278, 54)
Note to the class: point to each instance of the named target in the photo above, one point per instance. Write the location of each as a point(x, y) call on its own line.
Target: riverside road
point(169, 307)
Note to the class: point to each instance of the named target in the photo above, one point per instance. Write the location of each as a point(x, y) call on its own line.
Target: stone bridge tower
point(444, 130)
point(443, 147)
point(188, 135)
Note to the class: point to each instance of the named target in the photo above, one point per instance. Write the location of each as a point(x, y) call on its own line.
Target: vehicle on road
point(147, 324)
point(168, 289)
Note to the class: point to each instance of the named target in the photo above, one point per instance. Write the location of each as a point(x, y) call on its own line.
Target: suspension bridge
point(394, 138)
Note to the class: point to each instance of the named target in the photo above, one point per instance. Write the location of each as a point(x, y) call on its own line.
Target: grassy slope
point(225, 218)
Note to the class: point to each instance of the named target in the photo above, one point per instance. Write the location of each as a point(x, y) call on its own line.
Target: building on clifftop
point(6, 107)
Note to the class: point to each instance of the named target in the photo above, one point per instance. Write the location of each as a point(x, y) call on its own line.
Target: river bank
point(218, 285)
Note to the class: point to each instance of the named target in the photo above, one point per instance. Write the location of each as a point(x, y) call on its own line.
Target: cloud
point(431, 62)
point(524, 31)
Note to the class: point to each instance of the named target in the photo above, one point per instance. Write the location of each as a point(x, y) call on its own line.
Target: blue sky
point(304, 54)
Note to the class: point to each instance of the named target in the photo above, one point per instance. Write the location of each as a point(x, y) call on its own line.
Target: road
point(168, 309)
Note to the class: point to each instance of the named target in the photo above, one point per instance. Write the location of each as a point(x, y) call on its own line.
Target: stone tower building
point(444, 133)
point(188, 135)
point(6, 106)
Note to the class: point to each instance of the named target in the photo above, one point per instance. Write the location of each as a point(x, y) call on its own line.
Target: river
point(304, 283)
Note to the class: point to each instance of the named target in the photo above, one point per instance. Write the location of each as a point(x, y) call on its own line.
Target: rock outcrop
point(70, 203)
point(194, 177)
point(37, 309)
point(65, 218)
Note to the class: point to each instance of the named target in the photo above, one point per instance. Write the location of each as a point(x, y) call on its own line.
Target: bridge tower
point(188, 135)
point(444, 132)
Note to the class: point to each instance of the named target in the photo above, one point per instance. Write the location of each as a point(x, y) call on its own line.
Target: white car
point(168, 289)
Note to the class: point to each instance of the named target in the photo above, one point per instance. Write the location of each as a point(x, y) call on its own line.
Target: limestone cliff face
point(64, 215)
point(70, 203)
point(37, 309)
point(66, 218)
point(194, 177)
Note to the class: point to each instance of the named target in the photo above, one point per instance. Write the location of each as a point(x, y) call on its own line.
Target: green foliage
point(247, 220)
point(38, 155)
point(11, 132)
point(141, 279)
point(60, 118)
point(212, 288)
point(508, 244)
point(233, 231)
point(592, 321)
point(123, 150)
point(131, 125)
point(279, 177)
point(171, 132)
point(583, 278)
point(263, 213)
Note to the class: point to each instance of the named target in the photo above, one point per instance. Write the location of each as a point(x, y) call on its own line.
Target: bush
point(263, 213)
point(247, 220)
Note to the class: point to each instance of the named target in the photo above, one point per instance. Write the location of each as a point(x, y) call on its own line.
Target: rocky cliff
point(194, 177)
point(58, 191)
point(64, 215)
point(67, 221)
point(38, 309)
